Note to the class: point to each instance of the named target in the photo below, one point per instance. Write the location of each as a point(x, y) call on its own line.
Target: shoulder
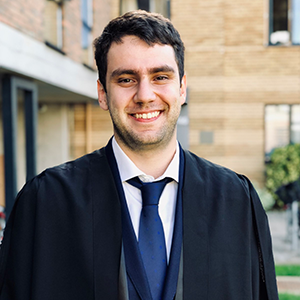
point(219, 190)
point(213, 174)
point(70, 177)
point(73, 169)
point(80, 163)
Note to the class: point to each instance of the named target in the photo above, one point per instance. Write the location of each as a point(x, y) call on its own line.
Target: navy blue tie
point(151, 234)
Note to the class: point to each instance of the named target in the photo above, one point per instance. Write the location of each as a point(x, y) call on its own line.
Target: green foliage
point(265, 197)
point(283, 168)
point(287, 270)
point(289, 297)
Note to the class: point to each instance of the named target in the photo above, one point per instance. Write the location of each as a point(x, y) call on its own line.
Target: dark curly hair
point(152, 28)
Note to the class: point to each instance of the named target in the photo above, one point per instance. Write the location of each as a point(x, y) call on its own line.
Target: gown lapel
point(106, 229)
point(195, 233)
point(134, 264)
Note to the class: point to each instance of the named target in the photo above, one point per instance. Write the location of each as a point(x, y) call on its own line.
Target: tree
point(283, 168)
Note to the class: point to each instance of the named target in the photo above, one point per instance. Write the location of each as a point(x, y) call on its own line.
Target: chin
point(146, 140)
point(150, 142)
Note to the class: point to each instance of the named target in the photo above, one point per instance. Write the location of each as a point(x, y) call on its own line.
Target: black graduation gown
point(63, 239)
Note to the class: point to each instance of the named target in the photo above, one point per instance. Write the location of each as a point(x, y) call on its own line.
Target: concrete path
point(282, 246)
point(288, 285)
point(283, 252)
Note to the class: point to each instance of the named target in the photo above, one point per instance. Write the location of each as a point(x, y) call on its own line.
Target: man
point(77, 231)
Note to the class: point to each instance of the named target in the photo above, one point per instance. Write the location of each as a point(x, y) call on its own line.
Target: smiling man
point(140, 219)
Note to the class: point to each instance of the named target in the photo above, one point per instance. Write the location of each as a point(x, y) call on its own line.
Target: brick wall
point(92, 129)
point(28, 16)
point(24, 15)
point(72, 30)
point(103, 11)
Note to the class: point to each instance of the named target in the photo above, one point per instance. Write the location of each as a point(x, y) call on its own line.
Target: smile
point(147, 116)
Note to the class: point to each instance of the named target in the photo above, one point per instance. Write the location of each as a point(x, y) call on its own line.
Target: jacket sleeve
point(17, 249)
point(268, 285)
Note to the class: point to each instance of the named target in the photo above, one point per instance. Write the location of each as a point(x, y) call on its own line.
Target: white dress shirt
point(167, 202)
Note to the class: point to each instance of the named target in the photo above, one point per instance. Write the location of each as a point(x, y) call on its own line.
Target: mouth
point(147, 116)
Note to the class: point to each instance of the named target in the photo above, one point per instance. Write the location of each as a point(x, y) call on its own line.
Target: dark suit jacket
point(64, 237)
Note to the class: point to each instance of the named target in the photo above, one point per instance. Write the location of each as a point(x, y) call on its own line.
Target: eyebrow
point(164, 68)
point(119, 72)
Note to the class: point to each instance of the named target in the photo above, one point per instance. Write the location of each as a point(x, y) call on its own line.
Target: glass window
point(53, 23)
point(282, 126)
point(284, 22)
point(86, 32)
point(296, 22)
point(128, 5)
point(87, 22)
point(159, 6)
point(295, 124)
point(276, 126)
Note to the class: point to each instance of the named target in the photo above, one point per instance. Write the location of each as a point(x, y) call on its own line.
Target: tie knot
point(151, 191)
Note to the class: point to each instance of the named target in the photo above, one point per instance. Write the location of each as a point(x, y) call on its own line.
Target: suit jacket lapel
point(123, 285)
point(179, 290)
point(173, 268)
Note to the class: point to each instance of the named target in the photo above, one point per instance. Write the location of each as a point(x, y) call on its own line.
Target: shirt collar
point(128, 169)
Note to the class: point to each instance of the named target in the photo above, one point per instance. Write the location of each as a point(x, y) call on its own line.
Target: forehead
point(134, 53)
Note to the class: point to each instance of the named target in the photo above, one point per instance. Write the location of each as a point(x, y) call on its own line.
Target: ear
point(183, 89)
point(102, 98)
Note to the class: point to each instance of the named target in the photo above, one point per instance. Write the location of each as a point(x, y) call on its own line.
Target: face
point(144, 94)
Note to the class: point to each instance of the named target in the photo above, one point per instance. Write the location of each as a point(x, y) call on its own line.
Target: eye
point(161, 77)
point(125, 80)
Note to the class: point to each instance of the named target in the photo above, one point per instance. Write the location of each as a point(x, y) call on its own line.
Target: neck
point(152, 162)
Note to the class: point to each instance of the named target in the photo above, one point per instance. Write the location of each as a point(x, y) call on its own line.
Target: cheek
point(173, 96)
point(116, 104)
point(122, 98)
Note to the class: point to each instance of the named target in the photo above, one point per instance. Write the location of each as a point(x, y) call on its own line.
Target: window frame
point(87, 20)
point(148, 5)
point(290, 124)
point(56, 43)
point(290, 15)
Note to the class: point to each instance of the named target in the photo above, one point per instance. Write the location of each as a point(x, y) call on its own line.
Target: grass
point(288, 270)
point(289, 297)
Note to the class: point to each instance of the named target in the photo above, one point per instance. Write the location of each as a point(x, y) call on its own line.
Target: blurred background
point(243, 107)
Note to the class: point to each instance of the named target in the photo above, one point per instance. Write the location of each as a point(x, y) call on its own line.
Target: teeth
point(147, 116)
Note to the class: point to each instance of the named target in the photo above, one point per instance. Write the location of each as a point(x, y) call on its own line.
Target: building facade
point(46, 70)
point(242, 64)
point(243, 68)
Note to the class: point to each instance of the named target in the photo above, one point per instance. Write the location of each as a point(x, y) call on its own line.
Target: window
point(282, 126)
point(284, 22)
point(159, 6)
point(86, 31)
point(53, 24)
point(295, 124)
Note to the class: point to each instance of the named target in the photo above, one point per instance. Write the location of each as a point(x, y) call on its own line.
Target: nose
point(145, 92)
